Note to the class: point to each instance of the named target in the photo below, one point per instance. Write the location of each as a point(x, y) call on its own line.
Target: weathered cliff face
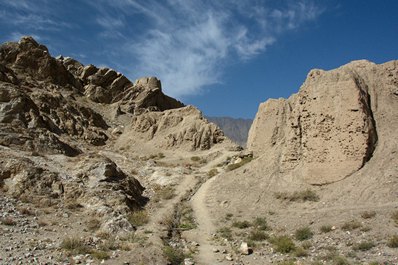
point(331, 127)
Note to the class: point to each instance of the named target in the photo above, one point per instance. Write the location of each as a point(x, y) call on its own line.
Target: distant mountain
point(236, 129)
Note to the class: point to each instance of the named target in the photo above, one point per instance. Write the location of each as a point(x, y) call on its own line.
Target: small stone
point(244, 249)
point(229, 257)
point(216, 250)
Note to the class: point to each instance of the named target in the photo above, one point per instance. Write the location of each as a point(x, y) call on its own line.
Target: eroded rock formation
point(330, 128)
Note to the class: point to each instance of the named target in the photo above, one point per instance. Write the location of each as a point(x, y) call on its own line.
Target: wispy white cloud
point(186, 43)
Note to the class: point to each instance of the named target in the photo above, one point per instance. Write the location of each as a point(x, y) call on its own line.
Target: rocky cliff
point(235, 128)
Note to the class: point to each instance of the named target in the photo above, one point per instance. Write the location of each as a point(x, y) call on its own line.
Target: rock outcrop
point(330, 128)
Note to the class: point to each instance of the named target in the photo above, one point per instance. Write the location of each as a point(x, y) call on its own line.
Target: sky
point(223, 56)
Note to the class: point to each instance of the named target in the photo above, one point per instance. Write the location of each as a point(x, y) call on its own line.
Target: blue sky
point(226, 56)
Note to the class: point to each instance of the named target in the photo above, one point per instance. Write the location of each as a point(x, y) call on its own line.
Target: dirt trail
point(203, 233)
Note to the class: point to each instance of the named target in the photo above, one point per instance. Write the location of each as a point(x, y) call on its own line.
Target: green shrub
point(393, 242)
point(363, 246)
point(283, 244)
point(241, 224)
point(303, 233)
point(138, 218)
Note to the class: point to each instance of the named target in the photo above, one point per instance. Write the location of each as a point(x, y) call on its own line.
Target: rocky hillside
point(235, 129)
point(324, 156)
point(78, 137)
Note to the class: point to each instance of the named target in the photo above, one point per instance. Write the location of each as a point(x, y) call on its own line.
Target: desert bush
point(212, 172)
point(187, 221)
point(351, 225)
point(195, 158)
point(109, 244)
point(305, 195)
point(393, 241)
point(363, 246)
point(225, 232)
point(100, 255)
point(260, 223)
point(283, 244)
point(303, 233)
point(244, 161)
point(258, 235)
point(174, 256)
point(241, 224)
point(325, 228)
point(74, 245)
point(138, 218)
point(368, 214)
point(8, 221)
point(300, 252)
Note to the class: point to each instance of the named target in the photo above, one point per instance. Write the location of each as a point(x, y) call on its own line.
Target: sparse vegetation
point(283, 244)
point(174, 256)
point(351, 225)
point(260, 223)
point(393, 241)
point(256, 235)
point(212, 172)
point(306, 244)
point(187, 221)
point(368, 214)
point(325, 228)
point(74, 245)
point(244, 161)
point(300, 252)
point(303, 233)
point(225, 232)
point(298, 196)
point(241, 224)
point(100, 255)
point(138, 218)
point(363, 246)
point(164, 192)
point(195, 158)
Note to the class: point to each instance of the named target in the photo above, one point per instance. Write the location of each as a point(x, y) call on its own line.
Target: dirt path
point(203, 234)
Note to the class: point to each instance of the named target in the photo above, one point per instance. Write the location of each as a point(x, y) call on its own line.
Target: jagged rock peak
point(331, 127)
